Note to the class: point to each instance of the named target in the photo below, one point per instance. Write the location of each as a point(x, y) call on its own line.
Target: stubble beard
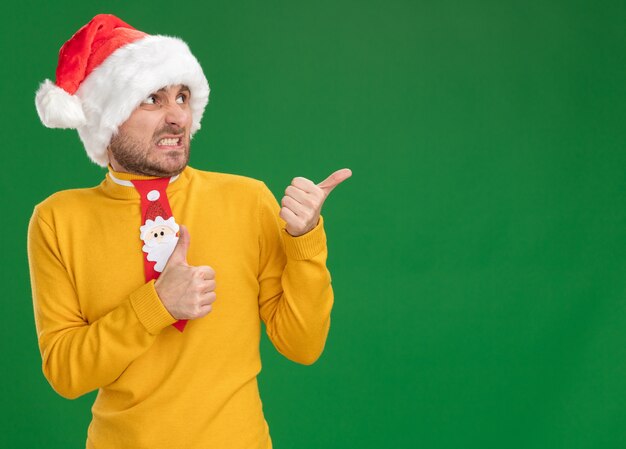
point(133, 156)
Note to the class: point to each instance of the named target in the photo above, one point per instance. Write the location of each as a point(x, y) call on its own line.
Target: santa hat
point(105, 71)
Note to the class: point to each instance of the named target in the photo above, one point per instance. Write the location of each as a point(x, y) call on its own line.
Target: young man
point(151, 286)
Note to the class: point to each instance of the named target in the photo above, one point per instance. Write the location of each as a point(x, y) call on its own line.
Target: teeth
point(168, 142)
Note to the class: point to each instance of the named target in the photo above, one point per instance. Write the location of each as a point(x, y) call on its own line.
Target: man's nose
point(177, 115)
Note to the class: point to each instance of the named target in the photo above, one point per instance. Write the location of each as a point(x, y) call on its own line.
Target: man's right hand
point(186, 292)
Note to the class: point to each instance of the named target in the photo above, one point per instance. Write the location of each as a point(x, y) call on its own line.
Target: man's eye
point(182, 98)
point(150, 99)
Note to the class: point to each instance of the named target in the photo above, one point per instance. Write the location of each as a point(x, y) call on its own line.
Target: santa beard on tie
point(159, 250)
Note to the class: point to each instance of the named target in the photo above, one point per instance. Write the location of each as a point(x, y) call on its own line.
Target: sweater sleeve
point(77, 356)
point(295, 296)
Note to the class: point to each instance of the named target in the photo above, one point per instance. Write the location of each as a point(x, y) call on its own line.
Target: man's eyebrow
point(182, 88)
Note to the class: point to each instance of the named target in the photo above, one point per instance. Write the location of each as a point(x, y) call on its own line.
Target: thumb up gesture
point(303, 200)
point(187, 292)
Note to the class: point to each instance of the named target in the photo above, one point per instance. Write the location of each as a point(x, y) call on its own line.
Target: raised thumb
point(179, 255)
point(334, 180)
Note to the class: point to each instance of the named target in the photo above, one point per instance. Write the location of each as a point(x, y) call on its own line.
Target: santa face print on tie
point(159, 237)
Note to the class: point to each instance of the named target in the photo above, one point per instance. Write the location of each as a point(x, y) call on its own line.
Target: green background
point(477, 253)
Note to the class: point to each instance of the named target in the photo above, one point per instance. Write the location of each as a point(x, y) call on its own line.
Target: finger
point(205, 309)
point(204, 272)
point(294, 225)
point(293, 205)
point(335, 179)
point(304, 184)
point(297, 194)
point(289, 216)
point(207, 286)
point(179, 255)
point(207, 299)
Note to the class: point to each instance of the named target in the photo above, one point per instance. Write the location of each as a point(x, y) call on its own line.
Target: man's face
point(154, 141)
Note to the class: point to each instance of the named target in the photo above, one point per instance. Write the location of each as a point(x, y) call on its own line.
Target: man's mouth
point(170, 142)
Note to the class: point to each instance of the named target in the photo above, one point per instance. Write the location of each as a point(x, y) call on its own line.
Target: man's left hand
point(303, 201)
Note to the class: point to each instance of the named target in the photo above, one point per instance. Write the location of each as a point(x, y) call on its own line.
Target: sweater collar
point(118, 184)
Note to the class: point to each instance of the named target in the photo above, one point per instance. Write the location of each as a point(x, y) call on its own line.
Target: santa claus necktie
point(159, 230)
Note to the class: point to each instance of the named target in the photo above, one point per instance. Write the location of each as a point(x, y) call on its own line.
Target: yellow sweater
point(101, 326)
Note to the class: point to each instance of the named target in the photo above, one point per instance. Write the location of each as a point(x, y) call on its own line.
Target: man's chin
point(171, 165)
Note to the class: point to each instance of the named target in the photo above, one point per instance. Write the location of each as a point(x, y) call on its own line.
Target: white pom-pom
point(57, 108)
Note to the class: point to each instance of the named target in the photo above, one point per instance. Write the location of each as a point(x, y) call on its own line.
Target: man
point(151, 286)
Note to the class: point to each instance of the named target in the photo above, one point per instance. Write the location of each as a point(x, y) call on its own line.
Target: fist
point(303, 200)
point(187, 292)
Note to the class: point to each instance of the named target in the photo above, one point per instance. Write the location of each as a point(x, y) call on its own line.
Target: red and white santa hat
point(105, 71)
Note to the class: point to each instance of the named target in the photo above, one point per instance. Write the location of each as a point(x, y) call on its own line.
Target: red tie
point(154, 203)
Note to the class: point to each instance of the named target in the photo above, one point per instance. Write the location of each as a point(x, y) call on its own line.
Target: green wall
point(477, 253)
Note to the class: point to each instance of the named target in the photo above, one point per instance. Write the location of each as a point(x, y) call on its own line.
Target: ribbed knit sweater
point(101, 326)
